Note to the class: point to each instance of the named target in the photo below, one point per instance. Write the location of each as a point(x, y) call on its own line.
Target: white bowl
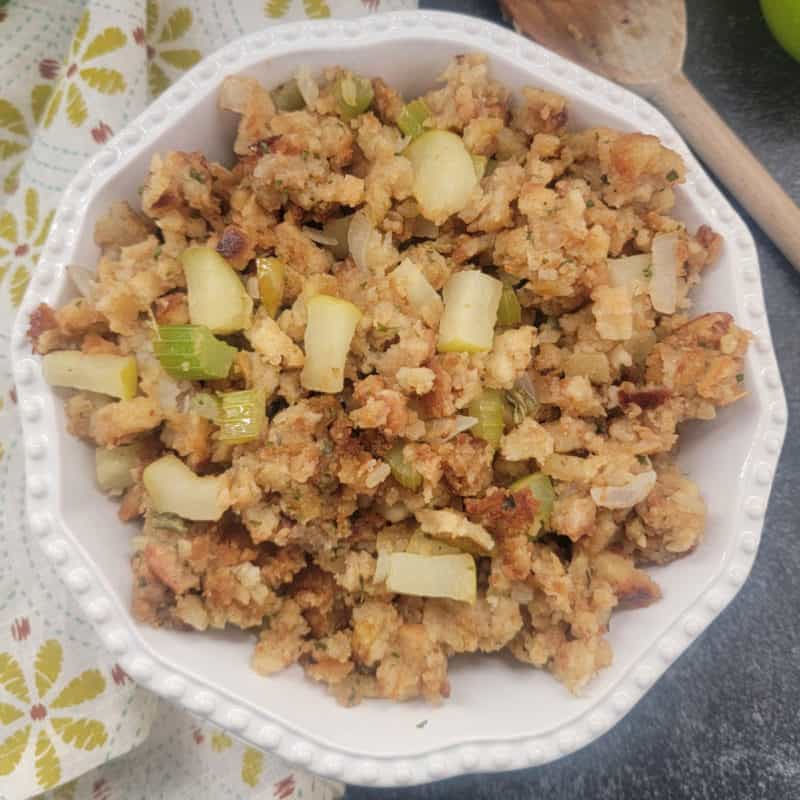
point(501, 715)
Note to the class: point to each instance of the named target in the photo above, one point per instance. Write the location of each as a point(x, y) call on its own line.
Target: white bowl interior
point(492, 697)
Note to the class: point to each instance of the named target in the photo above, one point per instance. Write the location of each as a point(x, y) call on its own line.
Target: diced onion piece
point(479, 163)
point(353, 95)
point(410, 281)
point(412, 118)
point(82, 278)
point(444, 175)
point(594, 366)
point(193, 352)
point(664, 283)
point(509, 312)
point(403, 472)
point(329, 331)
point(451, 576)
point(319, 237)
point(360, 234)
point(103, 373)
point(173, 488)
point(541, 487)
point(242, 416)
point(424, 545)
point(632, 271)
point(337, 230)
point(627, 496)
point(271, 273)
point(489, 409)
point(471, 299)
point(113, 467)
point(287, 96)
point(217, 297)
point(206, 405)
point(307, 86)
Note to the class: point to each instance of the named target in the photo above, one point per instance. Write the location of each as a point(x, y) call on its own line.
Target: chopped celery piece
point(411, 120)
point(489, 409)
point(353, 95)
point(217, 297)
point(630, 271)
point(444, 175)
point(329, 331)
point(168, 522)
point(103, 373)
point(453, 576)
point(541, 487)
point(402, 471)
point(425, 545)
point(338, 229)
point(271, 273)
point(242, 416)
point(206, 405)
point(113, 467)
point(509, 312)
point(193, 352)
point(471, 299)
point(174, 489)
point(479, 163)
point(287, 97)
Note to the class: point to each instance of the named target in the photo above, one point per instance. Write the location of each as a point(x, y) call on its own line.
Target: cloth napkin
point(72, 723)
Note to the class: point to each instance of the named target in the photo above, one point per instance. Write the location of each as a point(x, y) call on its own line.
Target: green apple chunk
point(471, 299)
point(103, 373)
point(217, 297)
point(451, 576)
point(113, 467)
point(174, 489)
point(444, 174)
point(329, 331)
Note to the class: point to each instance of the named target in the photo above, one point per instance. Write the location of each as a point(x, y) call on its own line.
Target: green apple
point(783, 18)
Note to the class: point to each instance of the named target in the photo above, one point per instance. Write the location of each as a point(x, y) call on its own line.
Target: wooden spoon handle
point(732, 162)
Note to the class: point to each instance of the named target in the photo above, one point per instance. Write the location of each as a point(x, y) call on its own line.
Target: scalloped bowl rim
point(257, 725)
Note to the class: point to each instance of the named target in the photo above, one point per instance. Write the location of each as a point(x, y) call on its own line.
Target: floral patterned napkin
point(72, 723)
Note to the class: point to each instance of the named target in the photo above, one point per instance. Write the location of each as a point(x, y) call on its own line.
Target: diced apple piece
point(174, 489)
point(217, 297)
point(409, 281)
point(103, 373)
point(329, 331)
point(664, 283)
point(451, 576)
point(444, 174)
point(633, 271)
point(113, 467)
point(424, 545)
point(471, 299)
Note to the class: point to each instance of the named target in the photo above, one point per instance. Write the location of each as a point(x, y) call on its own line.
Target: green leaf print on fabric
point(104, 80)
point(176, 26)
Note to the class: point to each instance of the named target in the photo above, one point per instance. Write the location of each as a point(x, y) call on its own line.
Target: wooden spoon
point(640, 43)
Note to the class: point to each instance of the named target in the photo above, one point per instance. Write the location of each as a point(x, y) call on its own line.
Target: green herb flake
point(672, 176)
point(740, 377)
point(590, 204)
point(648, 271)
point(196, 176)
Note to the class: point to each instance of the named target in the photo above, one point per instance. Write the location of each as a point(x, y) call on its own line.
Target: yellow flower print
point(220, 742)
point(79, 70)
point(21, 245)
point(36, 720)
point(160, 51)
point(252, 766)
point(314, 9)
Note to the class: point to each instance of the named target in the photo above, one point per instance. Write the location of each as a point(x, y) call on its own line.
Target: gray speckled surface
point(724, 722)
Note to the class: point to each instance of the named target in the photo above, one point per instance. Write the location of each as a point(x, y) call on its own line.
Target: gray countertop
point(724, 722)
